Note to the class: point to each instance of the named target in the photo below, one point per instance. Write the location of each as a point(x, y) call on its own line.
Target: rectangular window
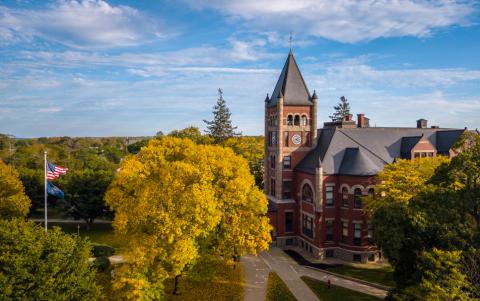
point(357, 257)
point(307, 138)
point(307, 225)
point(287, 189)
point(287, 162)
point(272, 161)
point(288, 221)
point(345, 232)
point(329, 230)
point(370, 234)
point(286, 138)
point(357, 234)
point(329, 196)
point(272, 187)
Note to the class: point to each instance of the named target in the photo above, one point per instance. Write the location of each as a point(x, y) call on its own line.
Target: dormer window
point(297, 120)
point(303, 121)
point(290, 120)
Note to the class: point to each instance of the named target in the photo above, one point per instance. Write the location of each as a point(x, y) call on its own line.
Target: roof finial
point(290, 40)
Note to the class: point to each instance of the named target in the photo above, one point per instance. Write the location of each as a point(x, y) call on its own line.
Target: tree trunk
point(175, 284)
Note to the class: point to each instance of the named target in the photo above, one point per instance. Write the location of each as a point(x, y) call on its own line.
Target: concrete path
point(256, 278)
point(286, 269)
point(257, 269)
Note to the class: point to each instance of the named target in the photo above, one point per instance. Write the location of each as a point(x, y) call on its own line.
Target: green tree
point(342, 110)
point(177, 201)
point(13, 201)
point(192, 133)
point(44, 266)
point(251, 148)
point(425, 215)
point(442, 278)
point(220, 128)
point(84, 192)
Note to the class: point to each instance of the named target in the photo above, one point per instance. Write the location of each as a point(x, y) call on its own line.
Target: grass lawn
point(335, 293)
point(99, 233)
point(378, 275)
point(277, 290)
point(227, 284)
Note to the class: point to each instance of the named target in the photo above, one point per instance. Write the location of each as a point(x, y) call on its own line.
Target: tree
point(44, 266)
point(173, 201)
point(442, 278)
point(251, 148)
point(342, 110)
point(192, 133)
point(425, 218)
point(84, 192)
point(404, 179)
point(220, 128)
point(13, 201)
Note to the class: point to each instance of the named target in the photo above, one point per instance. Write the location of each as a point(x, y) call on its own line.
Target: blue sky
point(105, 68)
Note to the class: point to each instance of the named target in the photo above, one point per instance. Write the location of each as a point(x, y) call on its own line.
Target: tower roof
point(291, 85)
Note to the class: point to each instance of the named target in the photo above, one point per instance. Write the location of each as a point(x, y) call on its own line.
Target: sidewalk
point(257, 269)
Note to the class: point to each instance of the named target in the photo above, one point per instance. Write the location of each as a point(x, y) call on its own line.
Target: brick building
point(315, 177)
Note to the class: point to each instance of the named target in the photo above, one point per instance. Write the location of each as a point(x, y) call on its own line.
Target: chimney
point(349, 117)
point(422, 123)
point(362, 121)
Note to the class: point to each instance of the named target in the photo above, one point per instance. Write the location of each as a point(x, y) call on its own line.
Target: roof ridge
point(369, 150)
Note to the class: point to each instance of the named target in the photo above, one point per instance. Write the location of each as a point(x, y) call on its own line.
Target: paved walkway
point(287, 269)
point(256, 277)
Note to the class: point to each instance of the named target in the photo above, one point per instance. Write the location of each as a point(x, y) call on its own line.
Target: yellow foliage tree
point(402, 180)
point(171, 198)
point(13, 200)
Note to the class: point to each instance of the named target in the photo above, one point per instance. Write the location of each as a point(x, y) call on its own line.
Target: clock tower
point(290, 131)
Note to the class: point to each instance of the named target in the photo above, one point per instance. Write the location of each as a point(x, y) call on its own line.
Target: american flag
point(54, 171)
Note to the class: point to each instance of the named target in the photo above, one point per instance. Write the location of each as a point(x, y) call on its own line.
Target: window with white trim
point(329, 196)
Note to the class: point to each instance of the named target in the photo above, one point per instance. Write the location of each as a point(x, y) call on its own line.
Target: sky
point(132, 68)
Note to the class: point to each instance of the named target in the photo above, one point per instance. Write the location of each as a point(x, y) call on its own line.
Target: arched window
point(307, 193)
point(297, 120)
point(290, 120)
point(357, 198)
point(345, 197)
point(304, 120)
point(371, 193)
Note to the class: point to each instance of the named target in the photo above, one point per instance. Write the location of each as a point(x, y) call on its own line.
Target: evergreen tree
point(220, 128)
point(341, 110)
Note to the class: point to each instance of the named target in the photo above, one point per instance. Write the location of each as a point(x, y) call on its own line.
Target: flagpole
point(45, 178)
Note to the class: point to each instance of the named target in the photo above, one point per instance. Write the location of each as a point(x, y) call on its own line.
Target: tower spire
point(290, 41)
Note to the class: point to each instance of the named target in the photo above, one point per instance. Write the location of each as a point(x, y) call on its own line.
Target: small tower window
point(357, 198)
point(290, 120)
point(345, 197)
point(303, 120)
point(297, 120)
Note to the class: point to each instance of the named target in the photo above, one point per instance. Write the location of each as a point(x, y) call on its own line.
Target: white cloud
point(81, 24)
point(350, 73)
point(346, 20)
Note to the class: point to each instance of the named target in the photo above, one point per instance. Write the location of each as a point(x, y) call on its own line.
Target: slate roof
point(407, 144)
point(365, 151)
point(291, 85)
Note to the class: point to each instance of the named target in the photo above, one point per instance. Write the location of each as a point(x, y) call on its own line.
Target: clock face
point(296, 139)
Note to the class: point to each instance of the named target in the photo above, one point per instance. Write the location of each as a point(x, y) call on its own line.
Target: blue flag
point(54, 190)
